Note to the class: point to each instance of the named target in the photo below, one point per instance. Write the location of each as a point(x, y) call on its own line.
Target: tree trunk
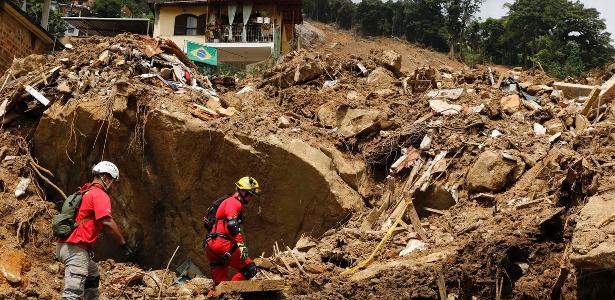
point(45, 16)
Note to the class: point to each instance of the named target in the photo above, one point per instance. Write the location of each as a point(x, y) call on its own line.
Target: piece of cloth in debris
point(81, 276)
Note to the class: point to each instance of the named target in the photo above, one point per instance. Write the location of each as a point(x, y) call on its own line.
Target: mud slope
point(173, 166)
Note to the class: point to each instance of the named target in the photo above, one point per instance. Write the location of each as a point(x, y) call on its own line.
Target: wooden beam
point(591, 101)
point(251, 286)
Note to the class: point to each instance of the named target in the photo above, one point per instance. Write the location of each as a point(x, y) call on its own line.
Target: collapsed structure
point(436, 181)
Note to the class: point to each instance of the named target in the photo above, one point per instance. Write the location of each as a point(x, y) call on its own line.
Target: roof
point(26, 21)
point(109, 26)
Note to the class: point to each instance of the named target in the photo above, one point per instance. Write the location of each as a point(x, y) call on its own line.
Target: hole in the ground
point(513, 263)
point(339, 260)
point(596, 284)
point(434, 197)
point(2, 186)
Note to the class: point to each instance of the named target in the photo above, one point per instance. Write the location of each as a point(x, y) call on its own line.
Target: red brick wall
point(16, 41)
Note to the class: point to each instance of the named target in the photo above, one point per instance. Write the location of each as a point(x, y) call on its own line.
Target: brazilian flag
point(201, 53)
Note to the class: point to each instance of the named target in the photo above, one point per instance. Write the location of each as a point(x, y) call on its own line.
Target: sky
point(495, 9)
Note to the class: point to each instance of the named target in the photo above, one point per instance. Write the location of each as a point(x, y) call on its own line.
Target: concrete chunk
point(572, 90)
point(593, 241)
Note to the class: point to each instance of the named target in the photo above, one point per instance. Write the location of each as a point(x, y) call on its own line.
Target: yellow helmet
point(248, 184)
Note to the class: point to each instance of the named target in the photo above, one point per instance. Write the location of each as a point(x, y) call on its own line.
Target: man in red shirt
point(81, 278)
point(225, 245)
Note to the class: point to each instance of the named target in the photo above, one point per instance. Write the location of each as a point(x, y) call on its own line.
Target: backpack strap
point(86, 218)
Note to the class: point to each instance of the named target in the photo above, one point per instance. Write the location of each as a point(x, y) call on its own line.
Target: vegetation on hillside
point(562, 36)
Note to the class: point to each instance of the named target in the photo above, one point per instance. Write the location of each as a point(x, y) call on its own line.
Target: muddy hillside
point(385, 173)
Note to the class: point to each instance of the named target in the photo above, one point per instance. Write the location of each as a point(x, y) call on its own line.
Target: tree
point(34, 10)
point(458, 14)
point(107, 8)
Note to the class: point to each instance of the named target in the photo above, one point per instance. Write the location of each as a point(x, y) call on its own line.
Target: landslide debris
point(500, 165)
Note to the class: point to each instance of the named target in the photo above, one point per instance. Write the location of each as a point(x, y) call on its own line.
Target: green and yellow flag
point(202, 53)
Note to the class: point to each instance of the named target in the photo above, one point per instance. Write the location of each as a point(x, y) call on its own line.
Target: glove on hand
point(129, 253)
point(243, 251)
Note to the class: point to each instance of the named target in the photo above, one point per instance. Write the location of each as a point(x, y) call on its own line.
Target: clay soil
point(498, 210)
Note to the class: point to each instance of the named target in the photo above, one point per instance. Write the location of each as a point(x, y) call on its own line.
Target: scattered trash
point(495, 133)
point(413, 245)
point(20, 190)
point(539, 129)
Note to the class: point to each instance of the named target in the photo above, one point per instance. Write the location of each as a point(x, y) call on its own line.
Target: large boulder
point(351, 170)
point(492, 172)
point(389, 59)
point(593, 241)
point(360, 121)
point(380, 76)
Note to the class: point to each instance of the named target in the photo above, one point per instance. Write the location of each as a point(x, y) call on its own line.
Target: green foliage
point(108, 8)
point(562, 35)
point(56, 25)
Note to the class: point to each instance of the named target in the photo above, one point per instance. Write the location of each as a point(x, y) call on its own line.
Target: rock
point(380, 76)
point(284, 122)
point(104, 57)
point(554, 126)
point(426, 142)
point(12, 265)
point(315, 268)
point(539, 129)
point(351, 170)
point(444, 108)
point(450, 94)
point(64, 87)
point(538, 89)
point(327, 114)
point(305, 243)
point(572, 90)
point(581, 123)
point(510, 104)
point(384, 93)
point(311, 37)
point(263, 263)
point(593, 240)
point(183, 291)
point(200, 285)
point(307, 72)
point(54, 268)
point(359, 122)
point(166, 73)
point(353, 95)
point(492, 173)
point(389, 59)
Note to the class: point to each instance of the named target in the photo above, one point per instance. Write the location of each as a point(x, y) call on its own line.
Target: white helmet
point(106, 167)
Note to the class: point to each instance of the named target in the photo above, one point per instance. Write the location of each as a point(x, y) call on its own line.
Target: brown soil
point(510, 241)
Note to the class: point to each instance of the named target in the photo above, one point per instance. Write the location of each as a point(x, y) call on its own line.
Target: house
point(242, 32)
point(19, 35)
point(89, 26)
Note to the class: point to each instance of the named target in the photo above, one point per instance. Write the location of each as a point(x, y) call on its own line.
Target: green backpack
point(64, 223)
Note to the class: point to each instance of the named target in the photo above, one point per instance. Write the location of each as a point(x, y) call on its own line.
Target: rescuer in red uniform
point(225, 245)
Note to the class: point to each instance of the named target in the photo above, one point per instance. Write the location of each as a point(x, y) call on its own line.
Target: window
point(187, 24)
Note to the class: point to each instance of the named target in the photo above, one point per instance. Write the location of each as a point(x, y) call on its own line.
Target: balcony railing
point(254, 33)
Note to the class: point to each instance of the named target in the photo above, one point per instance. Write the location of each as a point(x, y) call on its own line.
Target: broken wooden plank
point(573, 90)
point(252, 286)
point(416, 221)
point(442, 287)
point(296, 260)
point(591, 101)
point(37, 95)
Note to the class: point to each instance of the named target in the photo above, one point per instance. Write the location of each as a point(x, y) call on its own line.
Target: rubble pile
point(380, 182)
